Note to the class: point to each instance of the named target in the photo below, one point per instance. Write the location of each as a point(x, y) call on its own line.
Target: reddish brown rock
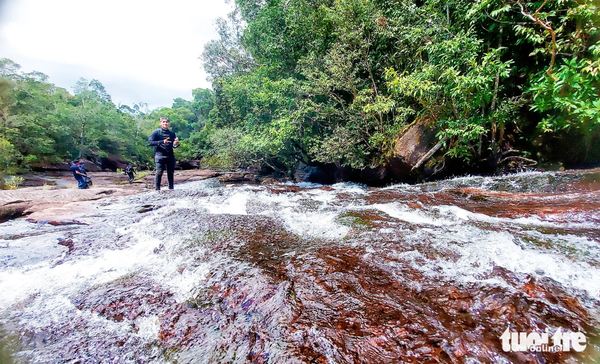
point(46, 167)
point(238, 177)
point(57, 199)
point(374, 176)
point(418, 139)
point(189, 164)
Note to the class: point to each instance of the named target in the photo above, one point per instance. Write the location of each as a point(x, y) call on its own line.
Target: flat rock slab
point(49, 205)
point(61, 202)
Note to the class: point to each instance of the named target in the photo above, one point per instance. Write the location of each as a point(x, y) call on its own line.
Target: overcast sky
point(140, 50)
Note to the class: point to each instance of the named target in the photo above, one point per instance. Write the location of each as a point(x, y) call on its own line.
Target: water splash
point(297, 274)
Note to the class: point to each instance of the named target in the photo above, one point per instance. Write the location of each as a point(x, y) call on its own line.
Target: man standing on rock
point(163, 140)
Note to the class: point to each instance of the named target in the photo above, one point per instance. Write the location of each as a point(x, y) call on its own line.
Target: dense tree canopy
point(339, 81)
point(43, 124)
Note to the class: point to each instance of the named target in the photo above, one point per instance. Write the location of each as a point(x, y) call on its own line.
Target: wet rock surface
point(431, 273)
point(53, 196)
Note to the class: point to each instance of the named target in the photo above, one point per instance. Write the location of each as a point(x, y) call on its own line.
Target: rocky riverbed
point(55, 198)
point(302, 273)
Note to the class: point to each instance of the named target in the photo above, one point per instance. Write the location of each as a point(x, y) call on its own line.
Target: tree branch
point(429, 154)
point(537, 20)
point(517, 158)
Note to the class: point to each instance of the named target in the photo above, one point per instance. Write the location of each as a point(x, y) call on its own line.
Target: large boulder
point(376, 176)
point(189, 164)
point(112, 162)
point(414, 148)
point(418, 143)
point(239, 177)
point(47, 167)
point(331, 173)
point(317, 173)
point(91, 166)
point(400, 171)
point(343, 174)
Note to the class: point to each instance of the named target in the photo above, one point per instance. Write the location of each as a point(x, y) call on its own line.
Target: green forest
point(340, 82)
point(43, 124)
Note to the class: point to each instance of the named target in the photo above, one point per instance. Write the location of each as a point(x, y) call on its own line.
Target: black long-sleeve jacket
point(156, 140)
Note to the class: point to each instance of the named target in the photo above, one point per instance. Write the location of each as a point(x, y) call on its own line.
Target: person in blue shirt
point(79, 174)
point(163, 140)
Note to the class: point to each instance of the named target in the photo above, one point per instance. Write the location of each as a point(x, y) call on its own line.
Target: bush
point(13, 182)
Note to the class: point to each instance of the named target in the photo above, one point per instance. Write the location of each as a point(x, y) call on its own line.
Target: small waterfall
point(290, 273)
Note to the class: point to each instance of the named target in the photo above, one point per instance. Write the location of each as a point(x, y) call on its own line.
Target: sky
point(140, 50)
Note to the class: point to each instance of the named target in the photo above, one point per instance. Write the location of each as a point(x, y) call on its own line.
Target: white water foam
point(481, 248)
point(308, 214)
point(232, 205)
point(404, 213)
point(45, 287)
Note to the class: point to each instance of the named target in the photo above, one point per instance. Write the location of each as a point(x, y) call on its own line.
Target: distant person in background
point(163, 140)
point(79, 174)
point(130, 172)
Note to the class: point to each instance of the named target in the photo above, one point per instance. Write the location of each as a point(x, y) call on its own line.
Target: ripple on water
point(298, 274)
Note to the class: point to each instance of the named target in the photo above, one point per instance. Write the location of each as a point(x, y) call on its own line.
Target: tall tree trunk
point(81, 143)
point(496, 140)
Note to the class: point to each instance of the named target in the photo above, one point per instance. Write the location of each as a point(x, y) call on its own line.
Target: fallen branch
point(517, 158)
point(513, 151)
point(429, 154)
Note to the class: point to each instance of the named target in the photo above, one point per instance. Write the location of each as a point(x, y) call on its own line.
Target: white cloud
point(139, 49)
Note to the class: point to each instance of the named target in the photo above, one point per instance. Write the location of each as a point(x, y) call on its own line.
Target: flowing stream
point(288, 273)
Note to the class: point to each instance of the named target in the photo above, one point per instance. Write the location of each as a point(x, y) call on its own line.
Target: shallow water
point(431, 273)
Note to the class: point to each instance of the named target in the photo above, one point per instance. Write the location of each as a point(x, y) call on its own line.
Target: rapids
point(288, 273)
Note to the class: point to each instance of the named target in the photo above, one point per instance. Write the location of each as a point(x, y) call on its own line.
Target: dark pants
point(81, 183)
point(163, 163)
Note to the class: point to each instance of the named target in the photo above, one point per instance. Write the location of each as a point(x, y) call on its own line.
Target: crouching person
point(79, 174)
